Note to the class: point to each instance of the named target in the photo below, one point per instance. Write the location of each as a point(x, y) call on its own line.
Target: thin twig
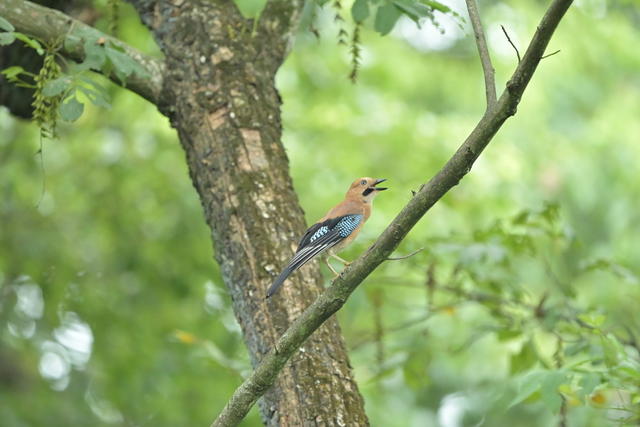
point(483, 51)
point(551, 54)
point(431, 283)
point(510, 42)
point(398, 258)
point(366, 337)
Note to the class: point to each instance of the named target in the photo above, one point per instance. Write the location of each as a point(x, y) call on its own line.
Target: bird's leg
point(336, 274)
point(344, 261)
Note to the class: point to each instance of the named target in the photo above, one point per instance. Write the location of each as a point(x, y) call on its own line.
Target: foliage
point(45, 102)
point(382, 15)
point(560, 353)
point(60, 92)
point(112, 311)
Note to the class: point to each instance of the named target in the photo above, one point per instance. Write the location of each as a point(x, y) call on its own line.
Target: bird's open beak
point(378, 181)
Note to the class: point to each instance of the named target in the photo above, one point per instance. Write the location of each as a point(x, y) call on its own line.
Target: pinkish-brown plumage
point(334, 231)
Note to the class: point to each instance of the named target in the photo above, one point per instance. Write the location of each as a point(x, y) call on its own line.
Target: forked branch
point(450, 175)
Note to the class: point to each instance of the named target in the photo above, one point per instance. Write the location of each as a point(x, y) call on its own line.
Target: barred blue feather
point(318, 238)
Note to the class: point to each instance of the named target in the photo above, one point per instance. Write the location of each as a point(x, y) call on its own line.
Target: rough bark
point(219, 93)
point(217, 87)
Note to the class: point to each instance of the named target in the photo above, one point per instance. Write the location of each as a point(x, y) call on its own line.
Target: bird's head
point(365, 189)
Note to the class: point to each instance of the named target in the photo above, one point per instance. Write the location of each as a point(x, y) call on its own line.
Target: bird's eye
point(363, 182)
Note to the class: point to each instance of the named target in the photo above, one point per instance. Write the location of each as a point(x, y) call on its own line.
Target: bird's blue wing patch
point(347, 224)
point(344, 227)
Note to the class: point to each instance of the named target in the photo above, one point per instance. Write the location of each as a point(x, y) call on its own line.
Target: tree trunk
point(219, 94)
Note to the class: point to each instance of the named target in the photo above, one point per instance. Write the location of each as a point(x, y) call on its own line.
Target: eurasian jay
point(335, 230)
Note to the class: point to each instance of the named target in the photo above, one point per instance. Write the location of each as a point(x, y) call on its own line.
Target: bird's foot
point(332, 269)
point(335, 273)
point(344, 261)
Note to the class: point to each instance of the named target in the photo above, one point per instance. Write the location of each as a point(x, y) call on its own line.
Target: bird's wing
point(316, 230)
point(319, 237)
point(324, 235)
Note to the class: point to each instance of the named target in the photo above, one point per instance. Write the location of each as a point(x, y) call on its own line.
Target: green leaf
point(524, 359)
point(386, 18)
point(139, 70)
point(72, 42)
point(11, 72)
point(549, 389)
point(96, 97)
point(6, 25)
point(588, 383)
point(612, 350)
point(630, 372)
point(576, 348)
point(414, 370)
point(551, 213)
point(56, 86)
point(71, 109)
point(360, 10)
point(250, 8)
point(508, 334)
point(521, 218)
point(84, 78)
point(611, 267)
point(412, 9)
point(7, 38)
point(595, 320)
point(437, 6)
point(122, 63)
point(527, 385)
point(94, 56)
point(32, 43)
point(14, 73)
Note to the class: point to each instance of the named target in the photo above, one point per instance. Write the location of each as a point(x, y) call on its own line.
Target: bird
point(334, 231)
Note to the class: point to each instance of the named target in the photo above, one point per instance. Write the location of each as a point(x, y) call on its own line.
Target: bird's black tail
point(279, 281)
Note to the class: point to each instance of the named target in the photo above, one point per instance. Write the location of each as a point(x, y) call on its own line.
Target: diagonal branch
point(450, 175)
point(483, 51)
point(51, 25)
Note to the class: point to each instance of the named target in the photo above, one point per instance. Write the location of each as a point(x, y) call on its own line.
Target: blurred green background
point(112, 310)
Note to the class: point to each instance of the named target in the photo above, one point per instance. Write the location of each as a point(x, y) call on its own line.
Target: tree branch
point(398, 258)
point(453, 171)
point(278, 23)
point(51, 25)
point(510, 42)
point(483, 51)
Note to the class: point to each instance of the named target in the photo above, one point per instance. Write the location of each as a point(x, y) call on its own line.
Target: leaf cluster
point(384, 15)
point(61, 91)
